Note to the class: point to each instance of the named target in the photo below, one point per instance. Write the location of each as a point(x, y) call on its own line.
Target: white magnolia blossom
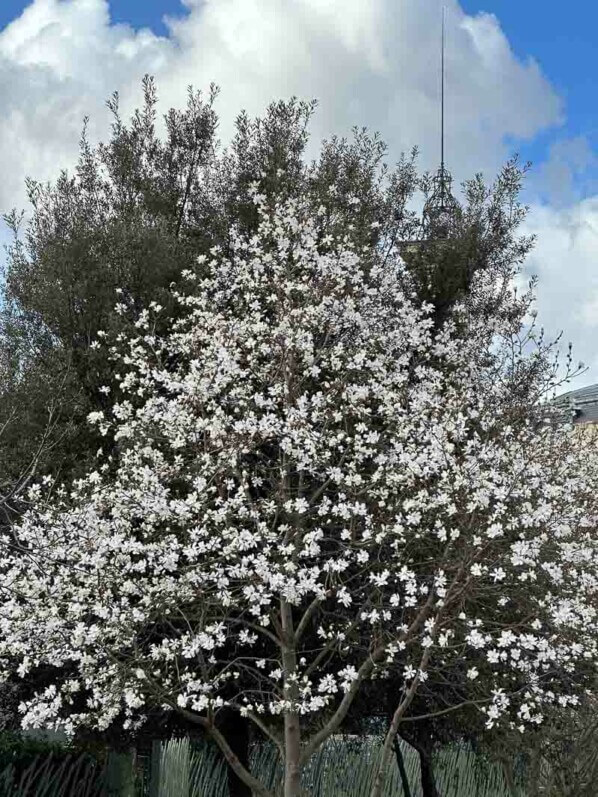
point(311, 487)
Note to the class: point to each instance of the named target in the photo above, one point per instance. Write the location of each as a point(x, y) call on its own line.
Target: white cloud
point(371, 63)
point(568, 174)
point(566, 260)
point(59, 61)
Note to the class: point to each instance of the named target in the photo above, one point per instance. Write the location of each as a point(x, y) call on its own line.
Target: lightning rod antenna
point(442, 90)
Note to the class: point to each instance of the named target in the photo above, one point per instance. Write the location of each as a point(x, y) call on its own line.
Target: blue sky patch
point(137, 13)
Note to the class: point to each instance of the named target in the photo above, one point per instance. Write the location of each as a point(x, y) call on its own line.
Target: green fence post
point(120, 774)
point(154, 788)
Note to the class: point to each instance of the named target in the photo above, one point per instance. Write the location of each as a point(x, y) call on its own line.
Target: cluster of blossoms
point(310, 487)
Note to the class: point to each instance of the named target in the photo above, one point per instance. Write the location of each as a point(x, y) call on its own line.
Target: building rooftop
point(583, 402)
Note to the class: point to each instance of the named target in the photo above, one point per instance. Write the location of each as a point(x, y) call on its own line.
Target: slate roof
point(584, 403)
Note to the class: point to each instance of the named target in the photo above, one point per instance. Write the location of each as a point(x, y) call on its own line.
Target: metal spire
point(441, 208)
point(442, 90)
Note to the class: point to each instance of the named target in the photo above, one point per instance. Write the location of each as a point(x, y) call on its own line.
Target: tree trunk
point(428, 781)
point(154, 788)
point(292, 774)
point(427, 771)
point(393, 730)
point(401, 766)
point(236, 731)
point(292, 727)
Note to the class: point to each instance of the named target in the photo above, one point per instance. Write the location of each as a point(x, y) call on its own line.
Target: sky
point(565, 47)
point(520, 78)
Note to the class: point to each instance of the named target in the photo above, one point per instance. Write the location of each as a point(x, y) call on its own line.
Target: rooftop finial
point(441, 208)
point(442, 90)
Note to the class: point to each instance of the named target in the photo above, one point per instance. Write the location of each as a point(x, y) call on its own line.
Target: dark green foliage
point(31, 767)
point(115, 224)
point(22, 750)
point(50, 777)
point(140, 208)
point(485, 237)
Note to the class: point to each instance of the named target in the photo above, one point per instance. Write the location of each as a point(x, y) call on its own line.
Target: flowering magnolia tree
point(313, 487)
